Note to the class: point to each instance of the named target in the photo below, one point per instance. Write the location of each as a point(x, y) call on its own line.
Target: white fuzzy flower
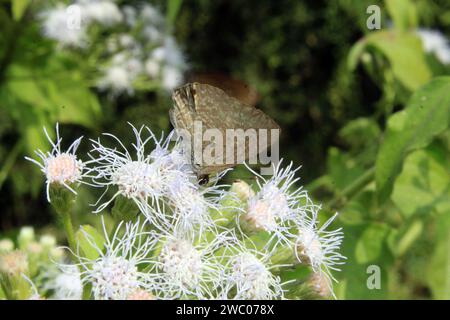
point(278, 206)
point(103, 12)
point(130, 14)
point(249, 276)
point(136, 177)
point(57, 26)
point(116, 273)
point(152, 67)
point(120, 75)
point(435, 42)
point(60, 167)
point(143, 178)
point(186, 268)
point(150, 14)
point(319, 247)
point(172, 77)
point(65, 284)
point(192, 206)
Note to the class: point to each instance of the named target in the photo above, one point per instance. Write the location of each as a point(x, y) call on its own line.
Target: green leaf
point(354, 275)
point(424, 184)
point(438, 271)
point(426, 116)
point(370, 244)
point(402, 50)
point(18, 8)
point(90, 241)
point(403, 13)
point(172, 10)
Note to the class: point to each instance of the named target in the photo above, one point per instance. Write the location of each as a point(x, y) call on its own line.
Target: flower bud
point(140, 294)
point(13, 263)
point(47, 241)
point(26, 236)
point(62, 198)
point(6, 245)
point(242, 190)
point(320, 284)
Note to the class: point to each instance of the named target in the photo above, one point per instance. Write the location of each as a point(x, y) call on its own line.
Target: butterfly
point(214, 109)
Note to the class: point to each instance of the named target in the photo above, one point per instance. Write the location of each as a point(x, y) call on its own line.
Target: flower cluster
point(435, 42)
point(140, 50)
point(175, 238)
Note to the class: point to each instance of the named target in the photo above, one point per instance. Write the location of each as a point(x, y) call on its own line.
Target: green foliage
point(426, 116)
point(90, 241)
point(368, 119)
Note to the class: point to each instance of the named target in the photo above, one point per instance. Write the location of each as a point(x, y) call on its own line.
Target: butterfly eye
point(202, 180)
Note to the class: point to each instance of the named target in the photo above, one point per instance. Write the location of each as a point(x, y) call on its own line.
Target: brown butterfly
point(214, 109)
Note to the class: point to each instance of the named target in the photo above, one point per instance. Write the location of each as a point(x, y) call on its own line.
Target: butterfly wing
point(216, 110)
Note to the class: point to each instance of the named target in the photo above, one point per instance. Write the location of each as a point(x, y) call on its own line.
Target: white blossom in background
point(278, 206)
point(101, 11)
point(435, 42)
point(168, 61)
point(60, 167)
point(137, 29)
point(318, 247)
point(120, 75)
point(117, 272)
point(56, 26)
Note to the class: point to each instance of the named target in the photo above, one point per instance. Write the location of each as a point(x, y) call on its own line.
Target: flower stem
point(352, 189)
point(67, 221)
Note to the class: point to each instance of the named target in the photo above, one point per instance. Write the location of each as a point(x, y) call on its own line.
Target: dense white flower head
point(60, 167)
point(192, 206)
point(101, 11)
point(65, 283)
point(187, 268)
point(116, 273)
point(278, 206)
point(318, 247)
point(134, 175)
point(120, 75)
point(249, 275)
point(435, 42)
point(57, 26)
point(142, 176)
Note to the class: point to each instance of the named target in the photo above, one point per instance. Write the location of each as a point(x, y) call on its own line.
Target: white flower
point(152, 67)
point(121, 74)
point(192, 206)
point(103, 12)
point(57, 26)
point(435, 42)
point(60, 167)
point(172, 77)
point(186, 268)
point(130, 14)
point(116, 274)
point(278, 206)
point(65, 284)
point(143, 178)
point(319, 247)
point(136, 177)
point(150, 14)
point(249, 276)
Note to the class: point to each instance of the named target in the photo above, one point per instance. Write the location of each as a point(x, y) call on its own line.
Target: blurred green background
point(365, 112)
